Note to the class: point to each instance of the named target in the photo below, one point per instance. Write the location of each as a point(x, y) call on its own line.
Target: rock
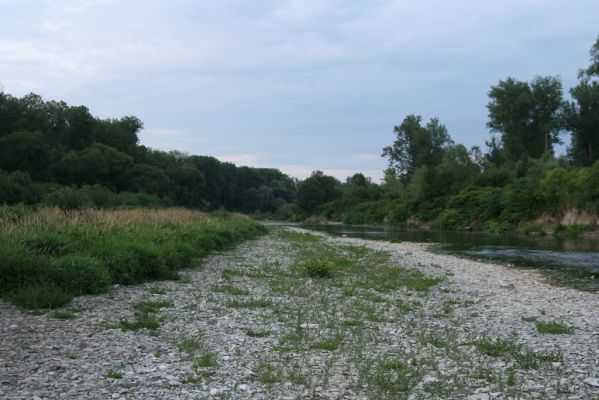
point(479, 396)
point(309, 326)
point(243, 387)
point(214, 391)
point(592, 381)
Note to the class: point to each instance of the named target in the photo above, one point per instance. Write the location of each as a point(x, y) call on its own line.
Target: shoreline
point(246, 327)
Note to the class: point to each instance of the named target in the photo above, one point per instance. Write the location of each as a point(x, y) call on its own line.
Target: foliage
point(47, 256)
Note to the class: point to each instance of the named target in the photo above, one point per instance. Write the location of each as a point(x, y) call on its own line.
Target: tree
point(416, 146)
point(316, 190)
point(527, 115)
point(27, 152)
point(582, 114)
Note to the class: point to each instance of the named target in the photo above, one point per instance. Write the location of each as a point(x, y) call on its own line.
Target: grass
point(268, 374)
point(48, 256)
point(63, 314)
point(256, 303)
point(206, 360)
point(111, 374)
point(328, 344)
point(257, 334)
point(553, 327)
point(141, 321)
point(525, 357)
point(232, 290)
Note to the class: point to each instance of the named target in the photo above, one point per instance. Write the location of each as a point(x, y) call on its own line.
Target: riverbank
point(302, 315)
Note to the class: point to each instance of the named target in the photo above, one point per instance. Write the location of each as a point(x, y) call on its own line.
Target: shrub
point(79, 274)
point(450, 219)
point(40, 296)
point(317, 268)
point(19, 267)
point(49, 244)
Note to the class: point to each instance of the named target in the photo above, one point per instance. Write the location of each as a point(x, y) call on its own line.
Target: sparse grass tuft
point(206, 360)
point(268, 374)
point(328, 344)
point(257, 303)
point(63, 314)
point(232, 290)
point(554, 328)
point(111, 374)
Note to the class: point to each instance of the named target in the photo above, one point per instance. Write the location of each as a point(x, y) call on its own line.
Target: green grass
point(235, 291)
point(142, 321)
point(525, 357)
point(328, 344)
point(151, 306)
point(554, 328)
point(257, 303)
point(268, 374)
point(48, 256)
point(157, 290)
point(111, 374)
point(257, 334)
point(206, 360)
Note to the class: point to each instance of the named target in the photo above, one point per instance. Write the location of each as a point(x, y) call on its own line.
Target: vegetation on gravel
point(49, 256)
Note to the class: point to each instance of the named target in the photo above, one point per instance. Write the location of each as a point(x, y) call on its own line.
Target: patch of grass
point(433, 338)
point(554, 328)
point(39, 296)
point(328, 344)
point(526, 358)
point(529, 319)
point(157, 290)
point(206, 360)
point(395, 378)
point(317, 268)
point(511, 377)
point(228, 274)
point(63, 314)
point(111, 374)
point(192, 344)
point(256, 303)
point(268, 374)
point(257, 334)
point(142, 321)
point(147, 307)
point(235, 291)
point(375, 298)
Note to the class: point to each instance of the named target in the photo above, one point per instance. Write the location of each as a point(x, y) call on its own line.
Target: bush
point(49, 244)
point(450, 219)
point(39, 296)
point(19, 267)
point(79, 274)
point(317, 268)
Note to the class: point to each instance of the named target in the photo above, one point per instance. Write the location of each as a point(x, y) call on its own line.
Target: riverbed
point(252, 325)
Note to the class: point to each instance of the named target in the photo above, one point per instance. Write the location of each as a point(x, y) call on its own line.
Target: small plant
point(511, 377)
point(40, 296)
point(268, 374)
point(206, 360)
point(529, 319)
point(249, 304)
point(192, 344)
point(142, 321)
point(157, 290)
point(257, 334)
point(328, 344)
point(111, 374)
point(554, 328)
point(146, 307)
point(235, 291)
point(317, 268)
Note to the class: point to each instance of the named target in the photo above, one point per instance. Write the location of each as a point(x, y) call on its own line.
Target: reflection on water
point(574, 262)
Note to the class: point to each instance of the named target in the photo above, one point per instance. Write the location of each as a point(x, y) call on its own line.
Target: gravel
point(89, 357)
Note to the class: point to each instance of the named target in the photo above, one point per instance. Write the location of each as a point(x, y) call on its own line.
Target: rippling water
point(573, 262)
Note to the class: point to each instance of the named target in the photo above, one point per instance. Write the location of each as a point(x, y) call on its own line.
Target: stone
point(592, 381)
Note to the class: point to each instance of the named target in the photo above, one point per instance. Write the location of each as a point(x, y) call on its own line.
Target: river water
point(571, 262)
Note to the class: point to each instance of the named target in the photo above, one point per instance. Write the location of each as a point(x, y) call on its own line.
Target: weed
point(259, 303)
point(142, 321)
point(206, 360)
point(511, 377)
point(257, 334)
point(157, 290)
point(328, 344)
point(317, 268)
point(554, 328)
point(111, 374)
point(268, 374)
point(529, 319)
point(235, 291)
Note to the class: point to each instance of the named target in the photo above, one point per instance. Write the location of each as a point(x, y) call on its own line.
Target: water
point(572, 262)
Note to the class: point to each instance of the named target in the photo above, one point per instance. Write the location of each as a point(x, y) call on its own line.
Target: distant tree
point(416, 146)
point(526, 115)
point(582, 114)
point(316, 190)
point(27, 152)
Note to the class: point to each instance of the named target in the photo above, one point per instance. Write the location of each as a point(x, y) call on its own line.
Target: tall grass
point(49, 255)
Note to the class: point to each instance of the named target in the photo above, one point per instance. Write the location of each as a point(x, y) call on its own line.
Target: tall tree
point(526, 115)
point(416, 146)
point(582, 114)
point(317, 190)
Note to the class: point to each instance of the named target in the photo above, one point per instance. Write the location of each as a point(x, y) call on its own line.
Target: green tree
point(527, 115)
point(27, 152)
point(582, 114)
point(416, 146)
point(316, 190)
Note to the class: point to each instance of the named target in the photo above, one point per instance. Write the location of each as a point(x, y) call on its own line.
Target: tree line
point(62, 155)
point(432, 180)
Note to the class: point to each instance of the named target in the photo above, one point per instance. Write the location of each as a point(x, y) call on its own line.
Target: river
point(571, 262)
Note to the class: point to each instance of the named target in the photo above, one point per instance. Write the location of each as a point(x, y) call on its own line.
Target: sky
point(294, 85)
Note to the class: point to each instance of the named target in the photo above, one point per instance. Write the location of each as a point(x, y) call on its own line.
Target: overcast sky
point(295, 85)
